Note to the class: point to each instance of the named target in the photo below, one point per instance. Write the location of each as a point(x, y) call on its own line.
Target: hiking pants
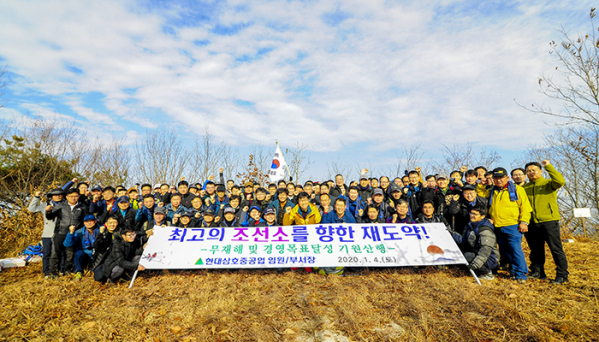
point(537, 235)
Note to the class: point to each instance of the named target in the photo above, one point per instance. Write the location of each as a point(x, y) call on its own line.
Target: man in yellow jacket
point(544, 227)
point(303, 213)
point(510, 211)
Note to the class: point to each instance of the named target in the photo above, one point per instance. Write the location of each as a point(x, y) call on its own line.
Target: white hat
point(157, 186)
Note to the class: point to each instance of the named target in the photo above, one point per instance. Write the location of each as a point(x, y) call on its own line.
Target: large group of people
point(104, 229)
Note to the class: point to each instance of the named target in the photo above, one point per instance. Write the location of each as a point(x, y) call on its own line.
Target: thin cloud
point(327, 74)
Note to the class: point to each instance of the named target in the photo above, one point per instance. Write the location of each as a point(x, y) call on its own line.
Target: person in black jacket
point(186, 196)
point(383, 207)
point(163, 195)
point(478, 243)
point(186, 220)
point(124, 256)
point(103, 242)
point(230, 218)
point(459, 209)
point(126, 214)
point(413, 193)
point(340, 188)
point(364, 189)
point(67, 214)
point(371, 215)
point(428, 214)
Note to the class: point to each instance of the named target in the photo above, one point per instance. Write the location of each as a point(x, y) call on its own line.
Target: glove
point(474, 265)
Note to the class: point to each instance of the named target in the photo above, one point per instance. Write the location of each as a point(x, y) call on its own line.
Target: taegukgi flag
point(277, 170)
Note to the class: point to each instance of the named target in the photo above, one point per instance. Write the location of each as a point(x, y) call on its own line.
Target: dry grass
point(18, 231)
point(266, 306)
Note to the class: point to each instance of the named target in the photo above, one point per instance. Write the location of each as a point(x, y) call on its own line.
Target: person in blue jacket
point(145, 214)
point(252, 218)
point(82, 240)
point(355, 203)
point(105, 206)
point(340, 214)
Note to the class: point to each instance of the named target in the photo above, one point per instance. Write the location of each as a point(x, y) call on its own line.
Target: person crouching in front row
point(124, 256)
point(478, 244)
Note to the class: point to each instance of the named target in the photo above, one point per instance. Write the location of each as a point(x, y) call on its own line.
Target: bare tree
point(37, 156)
point(337, 167)
point(575, 153)
point(458, 155)
point(408, 158)
point(206, 156)
point(160, 157)
point(577, 89)
point(209, 156)
point(104, 162)
point(262, 159)
point(298, 161)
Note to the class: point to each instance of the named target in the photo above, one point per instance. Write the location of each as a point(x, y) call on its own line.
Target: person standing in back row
point(544, 225)
point(510, 210)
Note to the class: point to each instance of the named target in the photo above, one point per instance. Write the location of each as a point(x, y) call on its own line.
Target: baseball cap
point(378, 191)
point(270, 210)
point(468, 187)
point(89, 217)
point(229, 210)
point(160, 210)
point(123, 199)
point(499, 172)
point(56, 191)
point(97, 188)
point(394, 187)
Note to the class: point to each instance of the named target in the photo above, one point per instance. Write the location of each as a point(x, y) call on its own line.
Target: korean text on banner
point(301, 246)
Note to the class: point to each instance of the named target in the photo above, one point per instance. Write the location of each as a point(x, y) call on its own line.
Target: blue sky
point(348, 78)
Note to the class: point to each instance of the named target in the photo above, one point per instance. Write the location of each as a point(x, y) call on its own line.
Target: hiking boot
point(537, 275)
point(78, 276)
point(521, 281)
point(559, 280)
point(488, 276)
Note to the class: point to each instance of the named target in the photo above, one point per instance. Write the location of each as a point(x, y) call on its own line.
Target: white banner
point(277, 169)
point(315, 245)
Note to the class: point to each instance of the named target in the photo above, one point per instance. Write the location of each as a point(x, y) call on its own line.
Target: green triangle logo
point(199, 262)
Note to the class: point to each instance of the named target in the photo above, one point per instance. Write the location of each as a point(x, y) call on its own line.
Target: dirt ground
point(261, 305)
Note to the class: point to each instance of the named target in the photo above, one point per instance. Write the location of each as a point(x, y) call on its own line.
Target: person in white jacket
point(37, 206)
